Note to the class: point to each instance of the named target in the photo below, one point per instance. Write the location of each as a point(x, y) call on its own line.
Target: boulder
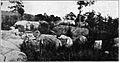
point(34, 25)
point(36, 33)
point(76, 31)
point(7, 46)
point(2, 58)
point(14, 56)
point(12, 39)
point(44, 27)
point(68, 41)
point(35, 48)
point(61, 30)
point(46, 39)
point(80, 39)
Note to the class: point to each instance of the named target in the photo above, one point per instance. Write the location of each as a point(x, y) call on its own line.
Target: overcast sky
point(61, 8)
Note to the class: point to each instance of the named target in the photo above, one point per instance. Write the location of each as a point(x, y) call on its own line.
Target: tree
point(46, 17)
point(18, 7)
point(70, 16)
point(84, 3)
point(101, 27)
point(57, 18)
point(52, 17)
point(81, 5)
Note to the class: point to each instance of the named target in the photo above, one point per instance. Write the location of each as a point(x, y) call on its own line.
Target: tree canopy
point(18, 7)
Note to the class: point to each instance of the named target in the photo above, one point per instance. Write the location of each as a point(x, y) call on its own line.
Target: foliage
point(70, 16)
point(46, 18)
point(8, 21)
point(84, 3)
point(18, 7)
point(10, 18)
point(99, 25)
point(28, 17)
point(74, 53)
point(81, 5)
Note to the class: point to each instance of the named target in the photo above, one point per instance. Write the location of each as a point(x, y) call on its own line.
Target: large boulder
point(29, 49)
point(9, 42)
point(12, 38)
point(70, 31)
point(2, 58)
point(79, 33)
point(80, 40)
point(61, 30)
point(36, 33)
point(34, 25)
point(66, 41)
point(7, 46)
point(47, 39)
point(82, 24)
point(76, 31)
point(14, 56)
point(44, 28)
point(22, 23)
point(35, 49)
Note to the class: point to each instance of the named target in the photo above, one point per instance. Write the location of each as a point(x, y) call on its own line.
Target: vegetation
point(18, 7)
point(81, 5)
point(100, 28)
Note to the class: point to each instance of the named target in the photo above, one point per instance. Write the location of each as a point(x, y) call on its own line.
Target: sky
point(61, 8)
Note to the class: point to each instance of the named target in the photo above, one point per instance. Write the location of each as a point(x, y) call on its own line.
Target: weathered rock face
point(61, 30)
point(80, 39)
point(2, 58)
point(10, 47)
point(14, 56)
point(77, 34)
point(44, 28)
point(21, 28)
point(34, 48)
point(36, 33)
point(47, 39)
point(11, 38)
point(67, 30)
point(34, 25)
point(7, 46)
point(10, 52)
point(76, 31)
point(28, 49)
point(66, 41)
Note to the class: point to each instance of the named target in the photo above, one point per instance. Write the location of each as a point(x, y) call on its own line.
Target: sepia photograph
point(55, 31)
